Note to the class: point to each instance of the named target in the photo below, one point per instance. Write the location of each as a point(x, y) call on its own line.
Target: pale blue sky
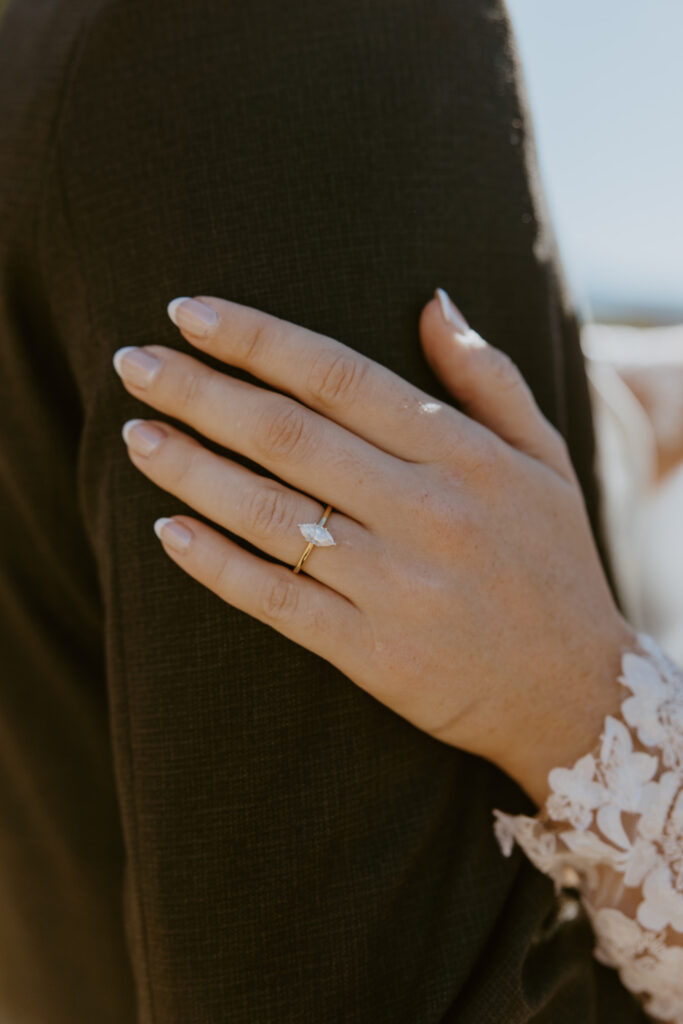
point(605, 83)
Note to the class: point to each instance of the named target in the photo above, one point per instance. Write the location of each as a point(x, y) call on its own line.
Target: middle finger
point(262, 511)
point(299, 445)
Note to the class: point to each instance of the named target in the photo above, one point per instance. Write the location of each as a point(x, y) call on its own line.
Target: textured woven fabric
point(200, 821)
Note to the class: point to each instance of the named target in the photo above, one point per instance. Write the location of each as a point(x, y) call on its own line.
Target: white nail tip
point(159, 523)
point(445, 305)
point(173, 305)
point(128, 425)
point(118, 356)
point(470, 338)
point(452, 315)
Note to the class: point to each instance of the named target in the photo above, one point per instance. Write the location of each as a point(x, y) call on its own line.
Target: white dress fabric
point(612, 827)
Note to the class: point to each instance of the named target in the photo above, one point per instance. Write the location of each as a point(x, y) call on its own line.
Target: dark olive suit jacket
point(200, 821)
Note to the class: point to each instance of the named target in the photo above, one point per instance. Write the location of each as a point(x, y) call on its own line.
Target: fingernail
point(451, 313)
point(175, 535)
point(135, 365)
point(465, 334)
point(142, 437)
point(192, 315)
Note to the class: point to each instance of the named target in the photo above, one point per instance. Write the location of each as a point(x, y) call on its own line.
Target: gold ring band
point(309, 547)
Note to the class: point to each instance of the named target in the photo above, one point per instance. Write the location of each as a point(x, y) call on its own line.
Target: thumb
point(488, 384)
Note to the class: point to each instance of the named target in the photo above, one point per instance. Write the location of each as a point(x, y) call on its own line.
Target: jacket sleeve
point(199, 815)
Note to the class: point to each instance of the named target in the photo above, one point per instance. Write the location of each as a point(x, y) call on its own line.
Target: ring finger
point(262, 511)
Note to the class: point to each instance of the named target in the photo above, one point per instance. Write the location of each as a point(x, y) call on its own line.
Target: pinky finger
point(296, 605)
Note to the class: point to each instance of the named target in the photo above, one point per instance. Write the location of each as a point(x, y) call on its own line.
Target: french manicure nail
point(175, 535)
point(465, 334)
point(192, 315)
point(450, 311)
point(135, 365)
point(142, 437)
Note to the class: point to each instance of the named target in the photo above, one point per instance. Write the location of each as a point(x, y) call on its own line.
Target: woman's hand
point(464, 590)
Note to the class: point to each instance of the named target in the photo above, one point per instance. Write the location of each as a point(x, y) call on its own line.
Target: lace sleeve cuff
point(613, 827)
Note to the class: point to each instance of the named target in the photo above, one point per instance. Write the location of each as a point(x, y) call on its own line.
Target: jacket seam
point(54, 163)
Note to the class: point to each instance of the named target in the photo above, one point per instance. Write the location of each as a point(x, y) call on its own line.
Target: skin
point(464, 590)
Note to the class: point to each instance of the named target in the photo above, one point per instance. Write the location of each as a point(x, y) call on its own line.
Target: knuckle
point(503, 371)
point(443, 430)
point(269, 511)
point(184, 464)
point(282, 431)
point(335, 378)
point(220, 582)
point(319, 622)
point(254, 340)
point(482, 462)
point(279, 599)
point(191, 390)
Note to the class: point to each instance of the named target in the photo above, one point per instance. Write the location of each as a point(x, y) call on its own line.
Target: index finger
point(346, 386)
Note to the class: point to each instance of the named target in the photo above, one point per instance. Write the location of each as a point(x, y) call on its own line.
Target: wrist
point(573, 727)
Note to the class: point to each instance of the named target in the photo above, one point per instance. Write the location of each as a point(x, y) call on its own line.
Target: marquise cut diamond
point(317, 534)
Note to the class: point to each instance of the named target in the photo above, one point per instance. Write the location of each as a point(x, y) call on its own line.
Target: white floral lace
point(613, 827)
